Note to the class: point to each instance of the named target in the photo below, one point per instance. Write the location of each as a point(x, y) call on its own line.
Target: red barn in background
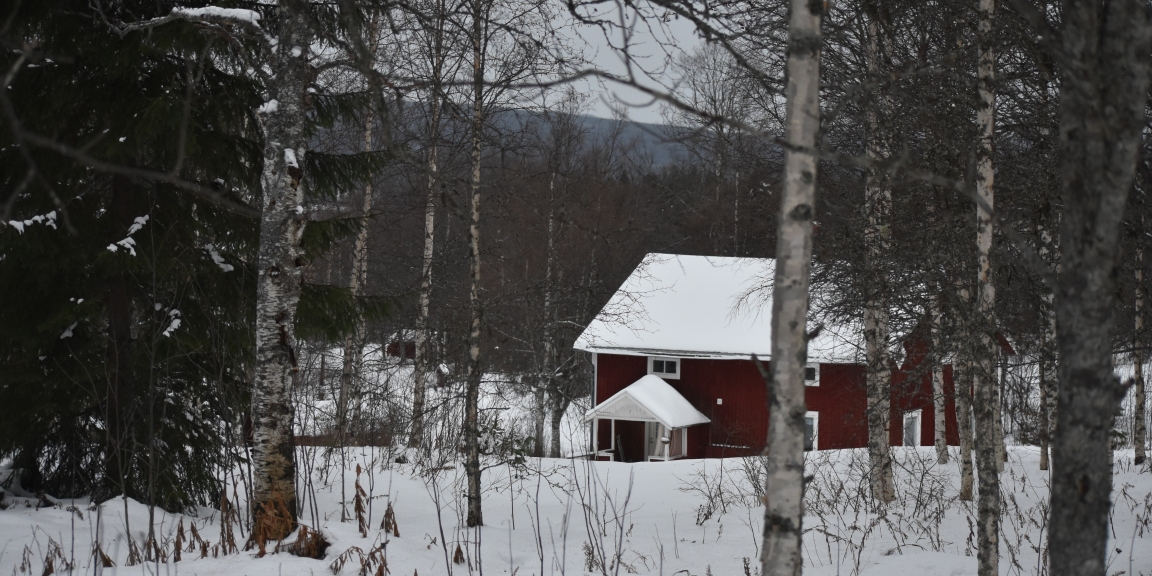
point(674, 376)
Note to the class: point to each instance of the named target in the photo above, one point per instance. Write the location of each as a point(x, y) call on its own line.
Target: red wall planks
point(740, 422)
point(740, 418)
point(841, 400)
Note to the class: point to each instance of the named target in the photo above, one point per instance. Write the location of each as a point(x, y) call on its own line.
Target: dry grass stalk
point(179, 541)
point(371, 563)
point(358, 506)
point(271, 520)
point(153, 552)
point(54, 555)
point(227, 538)
point(309, 544)
point(134, 557)
point(389, 524)
point(101, 557)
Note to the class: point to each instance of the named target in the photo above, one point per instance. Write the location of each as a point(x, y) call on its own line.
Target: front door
point(652, 439)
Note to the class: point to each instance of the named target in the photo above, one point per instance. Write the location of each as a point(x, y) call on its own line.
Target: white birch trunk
point(1045, 366)
point(962, 380)
point(423, 362)
point(939, 401)
point(354, 343)
point(783, 495)
point(984, 367)
point(1103, 100)
point(1001, 448)
point(475, 516)
point(1140, 434)
point(877, 208)
point(550, 321)
point(280, 270)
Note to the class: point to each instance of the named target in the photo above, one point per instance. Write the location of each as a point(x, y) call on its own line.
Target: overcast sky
point(653, 45)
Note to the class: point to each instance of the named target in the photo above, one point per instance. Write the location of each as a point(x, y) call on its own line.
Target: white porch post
point(595, 439)
point(665, 433)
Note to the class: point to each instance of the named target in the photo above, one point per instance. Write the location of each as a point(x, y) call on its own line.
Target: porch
point(653, 423)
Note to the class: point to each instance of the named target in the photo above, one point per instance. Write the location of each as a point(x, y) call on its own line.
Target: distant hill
point(650, 139)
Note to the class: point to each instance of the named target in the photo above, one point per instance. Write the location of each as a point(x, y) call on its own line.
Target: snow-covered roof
point(702, 306)
point(651, 399)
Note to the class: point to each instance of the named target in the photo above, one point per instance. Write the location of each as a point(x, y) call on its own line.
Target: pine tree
point(128, 343)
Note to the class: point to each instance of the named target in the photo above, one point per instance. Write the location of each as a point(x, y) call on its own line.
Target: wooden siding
point(841, 400)
point(740, 423)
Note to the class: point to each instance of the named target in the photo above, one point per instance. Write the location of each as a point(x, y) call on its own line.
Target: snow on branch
point(218, 259)
point(237, 14)
point(175, 315)
point(209, 14)
point(48, 219)
point(128, 243)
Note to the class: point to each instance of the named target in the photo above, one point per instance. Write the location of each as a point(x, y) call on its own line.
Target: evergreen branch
point(209, 15)
point(18, 136)
point(213, 196)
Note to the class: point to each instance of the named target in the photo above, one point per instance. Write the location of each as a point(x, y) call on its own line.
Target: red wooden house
point(674, 377)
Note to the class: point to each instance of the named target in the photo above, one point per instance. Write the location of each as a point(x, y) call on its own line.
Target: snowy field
point(691, 517)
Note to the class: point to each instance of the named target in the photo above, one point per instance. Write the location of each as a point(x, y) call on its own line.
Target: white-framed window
point(812, 375)
point(811, 431)
point(667, 368)
point(912, 428)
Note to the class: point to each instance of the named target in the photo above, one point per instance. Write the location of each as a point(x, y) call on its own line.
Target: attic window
point(812, 375)
point(664, 367)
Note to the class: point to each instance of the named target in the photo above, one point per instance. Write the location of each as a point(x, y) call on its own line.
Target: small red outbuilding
point(674, 374)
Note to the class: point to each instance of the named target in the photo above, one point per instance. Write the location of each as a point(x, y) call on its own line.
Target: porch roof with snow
point(650, 399)
point(703, 307)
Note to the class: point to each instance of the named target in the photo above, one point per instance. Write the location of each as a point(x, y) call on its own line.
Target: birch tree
point(877, 208)
point(1140, 434)
point(279, 269)
point(353, 359)
point(480, 10)
point(984, 369)
point(1046, 358)
point(784, 490)
point(502, 54)
point(938, 399)
point(1103, 51)
point(438, 49)
point(285, 123)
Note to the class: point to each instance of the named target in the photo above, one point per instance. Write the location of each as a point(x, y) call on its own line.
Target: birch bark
point(280, 270)
point(549, 381)
point(1140, 434)
point(939, 404)
point(354, 342)
point(877, 208)
point(1046, 360)
point(475, 516)
point(423, 361)
point(1103, 98)
point(783, 496)
point(963, 381)
point(984, 367)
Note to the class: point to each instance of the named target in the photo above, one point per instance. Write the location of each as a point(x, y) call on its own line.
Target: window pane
point(657, 365)
point(670, 366)
point(911, 428)
point(810, 374)
point(809, 432)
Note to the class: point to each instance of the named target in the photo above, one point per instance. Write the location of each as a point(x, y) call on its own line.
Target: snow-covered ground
point(691, 517)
